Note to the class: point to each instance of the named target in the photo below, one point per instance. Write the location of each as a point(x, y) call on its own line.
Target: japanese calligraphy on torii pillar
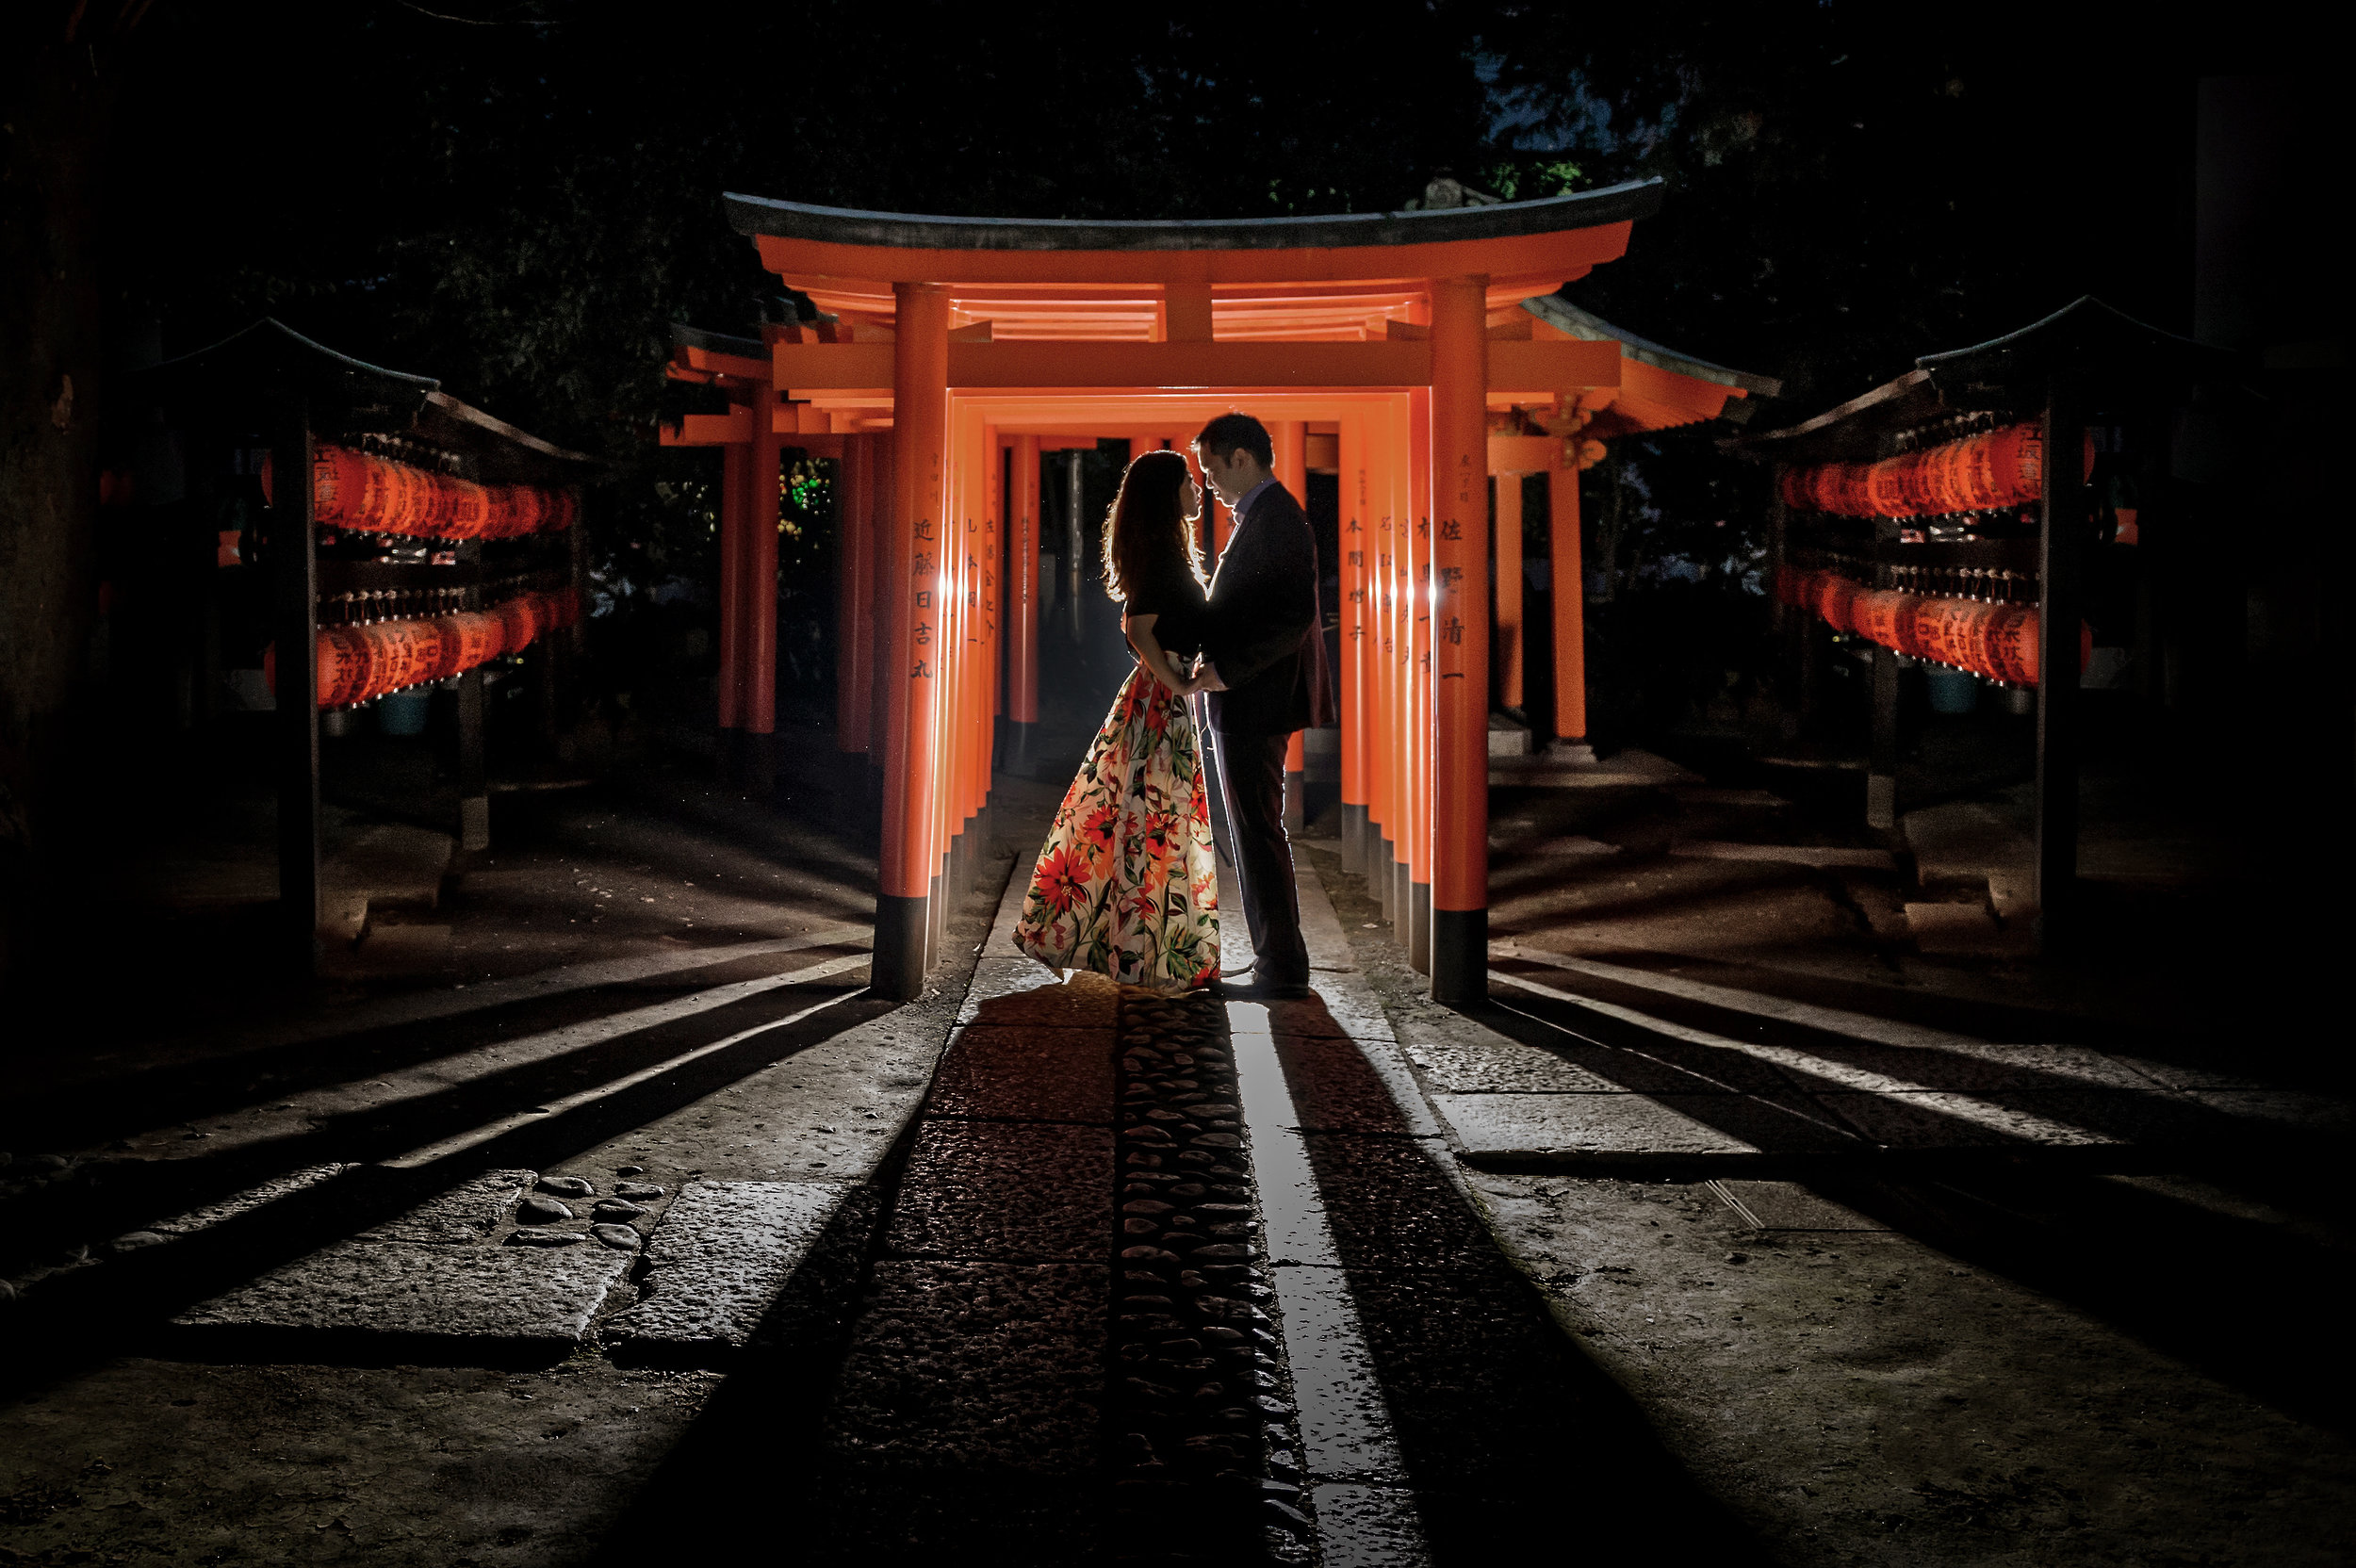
point(1469, 485)
point(921, 589)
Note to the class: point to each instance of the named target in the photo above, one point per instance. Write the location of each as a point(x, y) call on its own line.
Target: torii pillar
point(1460, 612)
point(1290, 439)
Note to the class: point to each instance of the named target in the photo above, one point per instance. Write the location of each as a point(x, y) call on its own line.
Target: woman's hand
point(1149, 653)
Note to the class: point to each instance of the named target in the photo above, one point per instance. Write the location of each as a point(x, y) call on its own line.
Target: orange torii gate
point(969, 337)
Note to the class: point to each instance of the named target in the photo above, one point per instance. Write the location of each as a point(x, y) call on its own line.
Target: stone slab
point(1025, 1074)
point(1570, 847)
point(1335, 1089)
point(1964, 930)
point(1924, 1121)
point(1344, 1426)
point(480, 1296)
point(2282, 1109)
point(829, 1112)
point(1967, 1067)
point(1704, 794)
point(1367, 1526)
point(1628, 1129)
point(1963, 842)
point(2181, 1075)
point(1501, 1066)
point(1629, 769)
point(718, 1260)
point(977, 1368)
point(1788, 1206)
point(1335, 1012)
point(207, 1216)
point(1017, 991)
point(1389, 1201)
point(1648, 1052)
point(1006, 1191)
point(1820, 857)
point(466, 1212)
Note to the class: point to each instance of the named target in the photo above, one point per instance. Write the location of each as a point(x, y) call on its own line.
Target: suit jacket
point(1263, 627)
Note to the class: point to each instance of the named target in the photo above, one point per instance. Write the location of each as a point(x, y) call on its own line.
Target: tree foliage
point(519, 198)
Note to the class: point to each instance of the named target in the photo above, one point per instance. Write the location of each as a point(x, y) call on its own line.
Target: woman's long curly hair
point(1147, 534)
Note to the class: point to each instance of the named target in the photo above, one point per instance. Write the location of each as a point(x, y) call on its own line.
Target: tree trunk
point(57, 106)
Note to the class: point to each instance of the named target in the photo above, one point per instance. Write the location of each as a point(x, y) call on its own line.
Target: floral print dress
point(1127, 885)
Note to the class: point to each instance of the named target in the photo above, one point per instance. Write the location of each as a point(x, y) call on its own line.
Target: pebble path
point(1199, 1403)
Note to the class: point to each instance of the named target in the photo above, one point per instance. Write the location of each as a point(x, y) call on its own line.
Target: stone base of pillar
point(1573, 754)
point(1460, 957)
point(1420, 926)
point(901, 926)
point(1015, 747)
point(1296, 802)
point(1353, 838)
point(936, 923)
point(1881, 801)
point(474, 824)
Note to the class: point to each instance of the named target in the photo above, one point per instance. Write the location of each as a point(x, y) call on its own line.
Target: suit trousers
point(1251, 781)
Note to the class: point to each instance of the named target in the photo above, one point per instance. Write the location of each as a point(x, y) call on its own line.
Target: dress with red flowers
point(1127, 885)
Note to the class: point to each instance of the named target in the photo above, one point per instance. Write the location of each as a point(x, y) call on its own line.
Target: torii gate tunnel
point(965, 339)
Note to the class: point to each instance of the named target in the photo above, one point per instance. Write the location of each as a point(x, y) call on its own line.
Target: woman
point(1126, 885)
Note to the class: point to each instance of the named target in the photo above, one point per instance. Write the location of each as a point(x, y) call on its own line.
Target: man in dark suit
point(1264, 667)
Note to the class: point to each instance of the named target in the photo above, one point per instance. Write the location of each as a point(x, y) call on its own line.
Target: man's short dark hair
point(1233, 432)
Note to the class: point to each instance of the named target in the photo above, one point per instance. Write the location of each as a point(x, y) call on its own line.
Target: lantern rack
point(381, 460)
point(1965, 443)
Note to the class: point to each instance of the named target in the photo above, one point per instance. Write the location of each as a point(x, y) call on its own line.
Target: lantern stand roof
point(2111, 355)
point(1560, 314)
point(240, 375)
point(685, 337)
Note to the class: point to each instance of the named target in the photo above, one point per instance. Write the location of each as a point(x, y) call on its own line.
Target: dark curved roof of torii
point(760, 215)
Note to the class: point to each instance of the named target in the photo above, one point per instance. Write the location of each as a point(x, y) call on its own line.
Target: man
point(1264, 667)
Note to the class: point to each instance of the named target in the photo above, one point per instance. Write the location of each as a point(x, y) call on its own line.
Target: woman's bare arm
point(1139, 630)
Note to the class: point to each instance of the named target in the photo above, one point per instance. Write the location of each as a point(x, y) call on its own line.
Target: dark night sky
point(518, 208)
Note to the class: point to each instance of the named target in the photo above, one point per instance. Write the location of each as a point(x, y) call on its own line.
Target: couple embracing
point(1128, 883)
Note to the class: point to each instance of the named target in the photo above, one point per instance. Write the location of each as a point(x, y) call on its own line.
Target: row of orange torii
point(1422, 352)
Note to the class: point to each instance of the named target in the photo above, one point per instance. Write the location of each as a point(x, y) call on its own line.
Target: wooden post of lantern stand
point(1787, 626)
point(576, 635)
point(1881, 774)
point(474, 789)
point(294, 594)
point(2061, 551)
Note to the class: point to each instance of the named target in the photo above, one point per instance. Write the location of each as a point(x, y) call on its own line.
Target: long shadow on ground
point(1496, 1410)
